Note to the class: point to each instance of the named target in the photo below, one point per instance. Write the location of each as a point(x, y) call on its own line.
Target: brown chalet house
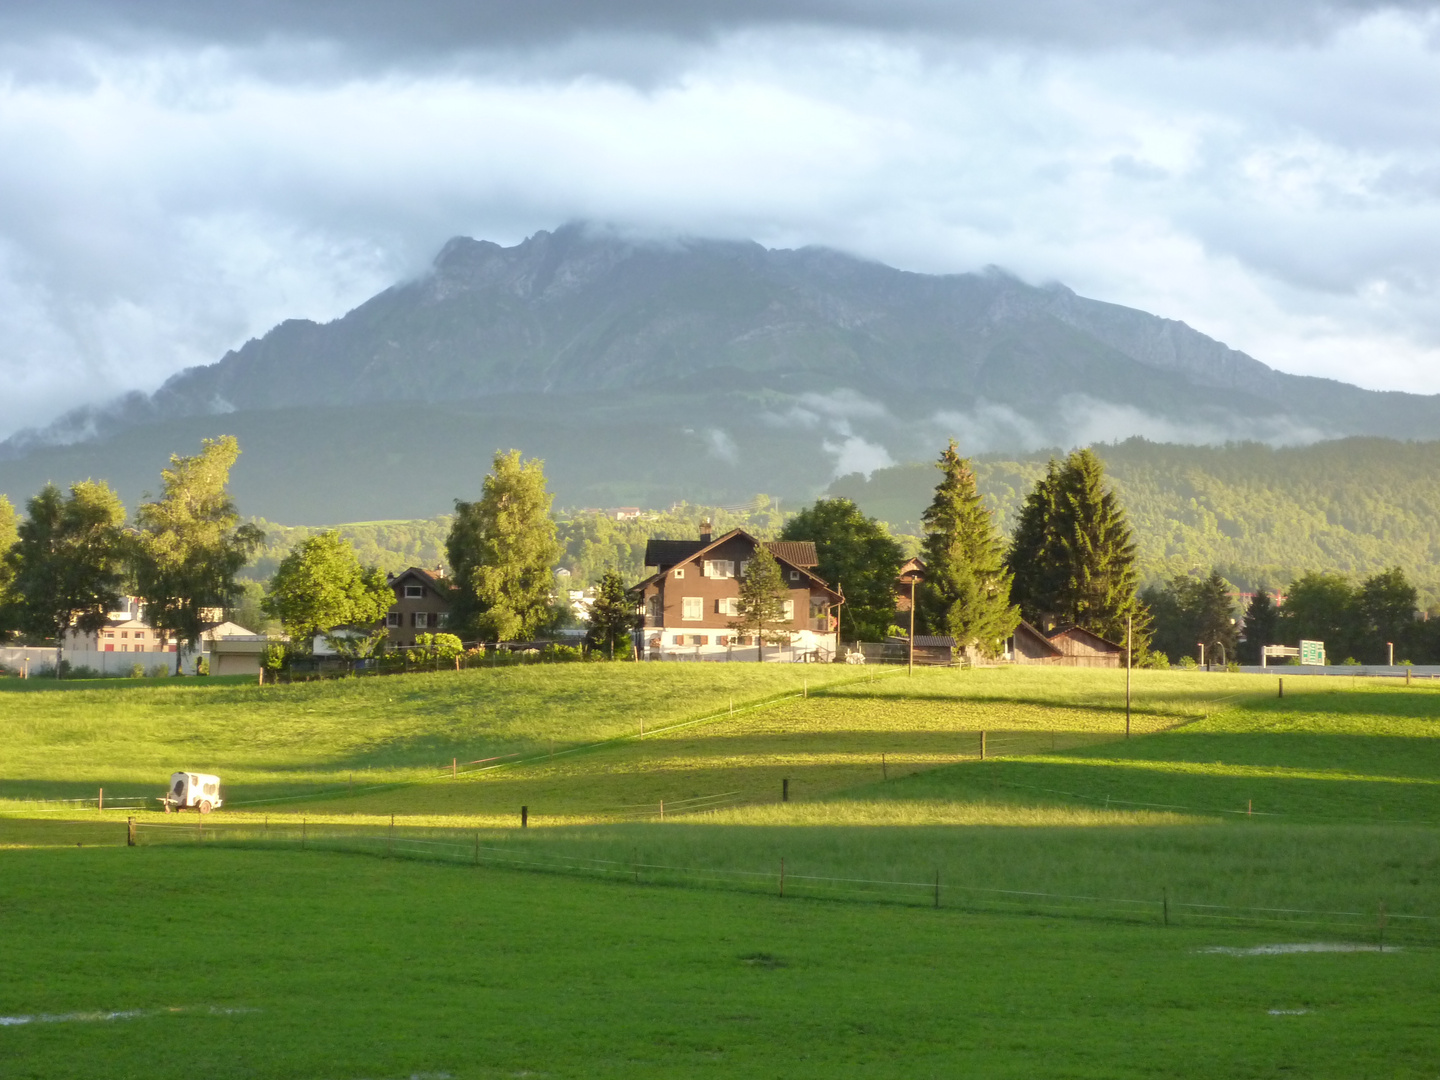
point(690, 602)
point(422, 605)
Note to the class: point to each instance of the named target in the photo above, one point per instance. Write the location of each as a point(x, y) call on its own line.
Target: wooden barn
point(1081, 648)
point(929, 649)
point(1030, 646)
point(1068, 648)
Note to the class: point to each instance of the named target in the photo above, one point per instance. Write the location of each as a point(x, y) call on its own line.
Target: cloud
point(1082, 420)
point(401, 30)
point(177, 177)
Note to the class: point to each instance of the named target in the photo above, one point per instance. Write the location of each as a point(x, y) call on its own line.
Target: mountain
point(647, 371)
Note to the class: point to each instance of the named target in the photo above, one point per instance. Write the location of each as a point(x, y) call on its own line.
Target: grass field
point(1230, 812)
point(265, 965)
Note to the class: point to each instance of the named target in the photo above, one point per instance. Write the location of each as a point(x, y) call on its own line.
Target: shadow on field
point(1214, 777)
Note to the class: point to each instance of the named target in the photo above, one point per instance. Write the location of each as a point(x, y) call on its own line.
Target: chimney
point(705, 531)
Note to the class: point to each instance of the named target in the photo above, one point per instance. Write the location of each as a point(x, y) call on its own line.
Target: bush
point(1233, 667)
point(1189, 663)
point(1349, 661)
point(137, 671)
point(1156, 660)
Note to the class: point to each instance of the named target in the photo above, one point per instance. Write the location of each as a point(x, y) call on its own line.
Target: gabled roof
point(670, 552)
point(798, 553)
point(1040, 638)
point(666, 553)
point(1080, 631)
point(425, 576)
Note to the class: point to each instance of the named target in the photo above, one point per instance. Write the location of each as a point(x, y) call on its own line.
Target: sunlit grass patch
point(920, 812)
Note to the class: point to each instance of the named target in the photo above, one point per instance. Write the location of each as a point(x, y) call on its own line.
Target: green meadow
point(976, 872)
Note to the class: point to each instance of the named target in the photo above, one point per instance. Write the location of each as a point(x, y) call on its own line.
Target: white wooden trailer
point(193, 791)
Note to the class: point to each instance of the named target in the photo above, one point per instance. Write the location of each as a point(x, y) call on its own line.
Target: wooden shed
point(929, 648)
point(1030, 646)
point(1081, 648)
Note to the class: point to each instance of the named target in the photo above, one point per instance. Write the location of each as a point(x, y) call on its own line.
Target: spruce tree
point(763, 593)
point(612, 616)
point(1262, 626)
point(966, 590)
point(1095, 554)
point(502, 553)
point(1037, 573)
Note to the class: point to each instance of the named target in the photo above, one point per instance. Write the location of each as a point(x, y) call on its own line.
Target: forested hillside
point(1258, 514)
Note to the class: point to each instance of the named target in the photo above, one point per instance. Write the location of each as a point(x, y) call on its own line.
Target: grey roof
point(799, 553)
point(670, 552)
point(929, 641)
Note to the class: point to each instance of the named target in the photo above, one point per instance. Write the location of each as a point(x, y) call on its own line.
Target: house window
point(789, 610)
point(442, 618)
point(109, 635)
point(422, 620)
point(700, 639)
point(794, 575)
point(729, 605)
point(414, 592)
point(679, 639)
point(125, 633)
point(139, 633)
point(743, 564)
point(393, 619)
point(692, 608)
point(124, 648)
point(720, 568)
point(657, 608)
point(680, 573)
point(722, 639)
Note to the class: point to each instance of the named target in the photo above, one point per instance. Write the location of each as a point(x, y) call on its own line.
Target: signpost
point(1312, 653)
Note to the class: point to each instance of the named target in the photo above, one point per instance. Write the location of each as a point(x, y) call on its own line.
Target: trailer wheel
point(204, 806)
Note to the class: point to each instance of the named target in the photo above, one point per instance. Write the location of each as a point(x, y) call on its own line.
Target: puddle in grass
point(1299, 947)
point(119, 1014)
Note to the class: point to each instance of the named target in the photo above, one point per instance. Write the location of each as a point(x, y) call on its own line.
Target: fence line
point(464, 846)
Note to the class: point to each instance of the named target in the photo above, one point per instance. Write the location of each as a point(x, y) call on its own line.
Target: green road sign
point(1312, 652)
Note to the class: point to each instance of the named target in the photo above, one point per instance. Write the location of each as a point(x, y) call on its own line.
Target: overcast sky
point(179, 175)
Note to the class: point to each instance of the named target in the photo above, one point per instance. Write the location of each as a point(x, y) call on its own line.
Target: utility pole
point(1129, 645)
point(1202, 652)
point(911, 670)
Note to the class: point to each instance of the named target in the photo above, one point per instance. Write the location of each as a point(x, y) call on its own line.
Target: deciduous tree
point(966, 589)
point(321, 585)
point(502, 553)
point(191, 544)
point(856, 554)
point(69, 560)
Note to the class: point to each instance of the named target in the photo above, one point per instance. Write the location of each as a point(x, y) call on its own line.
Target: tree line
point(72, 559)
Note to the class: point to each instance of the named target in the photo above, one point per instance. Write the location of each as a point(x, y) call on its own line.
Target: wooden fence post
point(782, 877)
point(937, 889)
point(477, 848)
point(982, 746)
point(101, 805)
point(785, 789)
point(524, 817)
point(884, 772)
point(130, 833)
point(1282, 689)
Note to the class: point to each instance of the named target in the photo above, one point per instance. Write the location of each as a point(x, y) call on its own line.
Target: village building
point(692, 603)
point(422, 605)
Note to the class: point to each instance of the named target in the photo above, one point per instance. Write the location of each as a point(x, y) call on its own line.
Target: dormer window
point(414, 592)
